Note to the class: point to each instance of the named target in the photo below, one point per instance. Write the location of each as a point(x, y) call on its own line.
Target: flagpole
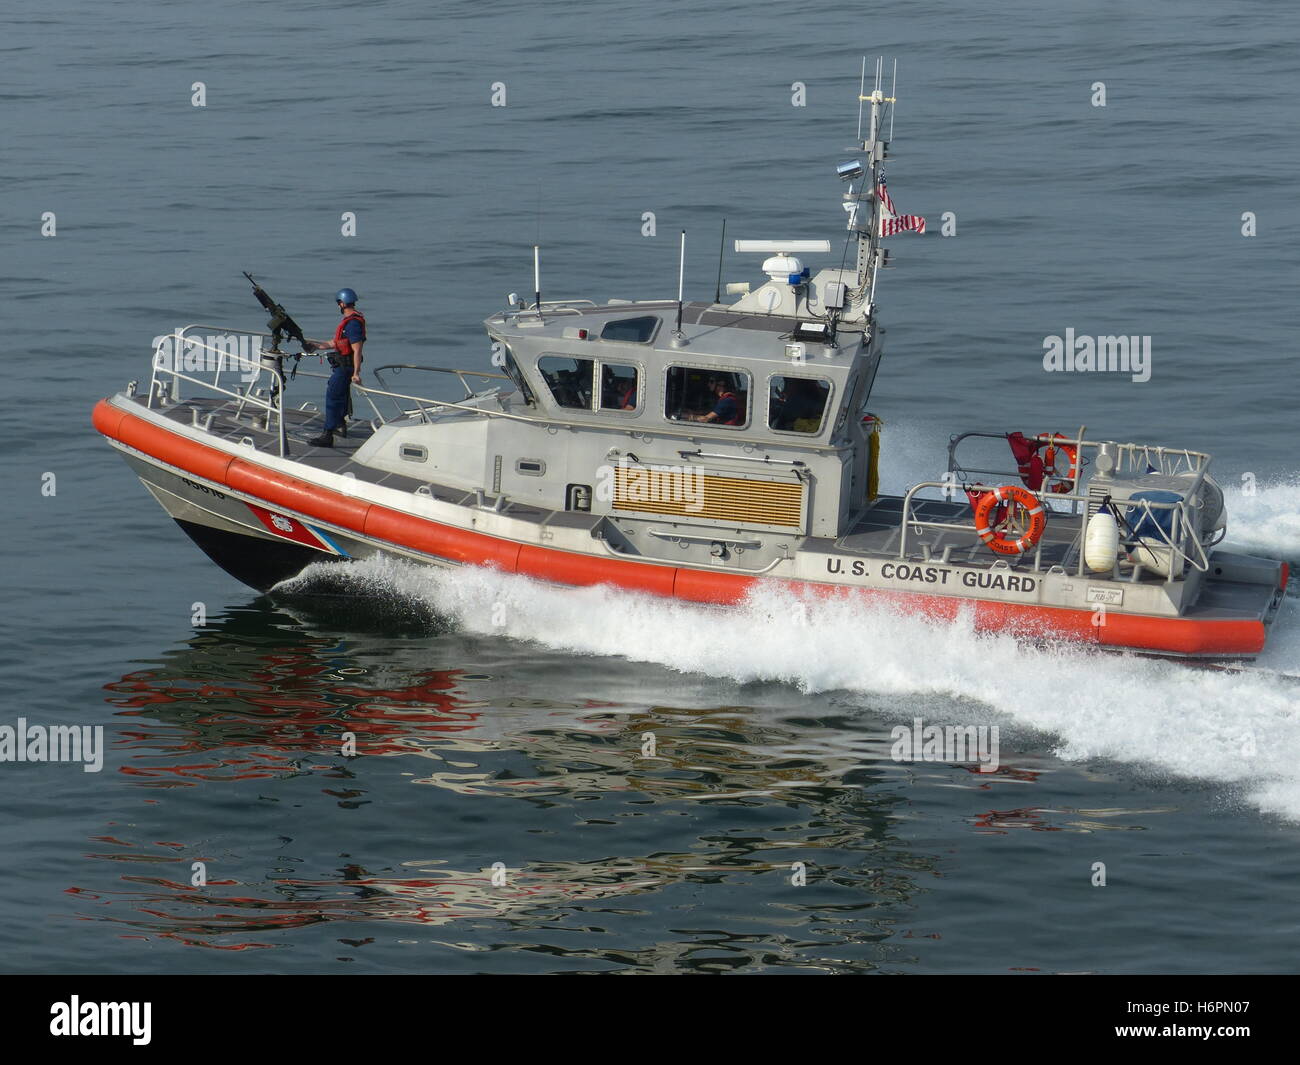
point(877, 203)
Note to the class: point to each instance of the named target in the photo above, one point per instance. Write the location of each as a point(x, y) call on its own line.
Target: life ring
point(1064, 481)
point(1001, 541)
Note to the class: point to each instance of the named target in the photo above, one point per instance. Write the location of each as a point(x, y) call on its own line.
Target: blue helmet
point(346, 296)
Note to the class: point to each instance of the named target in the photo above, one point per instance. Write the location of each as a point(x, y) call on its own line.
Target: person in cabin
point(617, 393)
point(727, 410)
point(802, 403)
point(344, 354)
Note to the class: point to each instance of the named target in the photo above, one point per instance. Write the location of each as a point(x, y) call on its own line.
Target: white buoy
point(1101, 542)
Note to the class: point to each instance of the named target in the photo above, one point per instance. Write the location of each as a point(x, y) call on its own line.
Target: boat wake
point(1238, 727)
point(1266, 521)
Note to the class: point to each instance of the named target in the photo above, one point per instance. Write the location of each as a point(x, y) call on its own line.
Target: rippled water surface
point(665, 787)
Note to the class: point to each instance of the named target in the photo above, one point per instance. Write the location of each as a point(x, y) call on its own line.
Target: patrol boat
point(693, 450)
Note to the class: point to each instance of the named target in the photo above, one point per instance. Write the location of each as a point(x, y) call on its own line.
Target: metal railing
point(1183, 538)
point(398, 367)
point(917, 524)
point(264, 383)
point(539, 312)
point(161, 392)
point(1165, 460)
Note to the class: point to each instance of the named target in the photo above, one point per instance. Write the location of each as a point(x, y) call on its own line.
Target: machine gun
point(280, 325)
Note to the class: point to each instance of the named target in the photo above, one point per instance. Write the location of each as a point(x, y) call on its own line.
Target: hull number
point(204, 488)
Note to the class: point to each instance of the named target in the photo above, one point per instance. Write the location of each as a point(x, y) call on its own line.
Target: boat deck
point(880, 532)
point(231, 423)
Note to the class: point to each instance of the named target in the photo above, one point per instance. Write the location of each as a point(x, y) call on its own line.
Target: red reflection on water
point(284, 708)
point(170, 909)
point(999, 821)
point(1030, 776)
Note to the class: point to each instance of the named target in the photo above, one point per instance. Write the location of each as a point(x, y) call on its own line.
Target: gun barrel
point(264, 298)
point(281, 323)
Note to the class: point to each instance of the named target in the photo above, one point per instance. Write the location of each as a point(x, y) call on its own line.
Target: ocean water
point(498, 720)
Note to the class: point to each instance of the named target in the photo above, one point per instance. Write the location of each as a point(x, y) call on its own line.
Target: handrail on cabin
point(398, 367)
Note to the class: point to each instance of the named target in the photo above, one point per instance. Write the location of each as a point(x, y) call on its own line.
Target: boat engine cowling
point(1148, 503)
point(1214, 521)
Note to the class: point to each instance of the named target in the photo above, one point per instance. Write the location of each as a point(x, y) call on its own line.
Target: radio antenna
point(537, 277)
point(717, 295)
point(893, 93)
point(862, 88)
point(681, 280)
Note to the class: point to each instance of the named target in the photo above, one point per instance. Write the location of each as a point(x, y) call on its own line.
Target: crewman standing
point(344, 354)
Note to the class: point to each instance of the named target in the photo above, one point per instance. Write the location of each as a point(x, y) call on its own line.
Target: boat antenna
point(862, 88)
point(537, 277)
point(681, 280)
point(893, 93)
point(722, 243)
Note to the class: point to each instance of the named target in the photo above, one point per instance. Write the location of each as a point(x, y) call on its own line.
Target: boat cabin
point(742, 418)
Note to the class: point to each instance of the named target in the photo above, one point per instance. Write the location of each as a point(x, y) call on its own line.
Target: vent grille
point(649, 490)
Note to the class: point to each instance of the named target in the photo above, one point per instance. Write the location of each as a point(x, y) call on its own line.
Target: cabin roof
point(709, 331)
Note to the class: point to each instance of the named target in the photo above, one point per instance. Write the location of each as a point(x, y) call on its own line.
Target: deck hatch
point(708, 496)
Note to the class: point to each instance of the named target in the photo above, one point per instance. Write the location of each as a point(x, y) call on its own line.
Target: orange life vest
point(341, 343)
point(739, 418)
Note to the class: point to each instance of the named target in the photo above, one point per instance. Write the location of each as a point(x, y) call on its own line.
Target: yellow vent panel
point(687, 494)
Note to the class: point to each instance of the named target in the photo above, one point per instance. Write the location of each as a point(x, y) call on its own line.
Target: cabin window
point(716, 397)
point(530, 467)
point(414, 452)
point(568, 379)
point(797, 404)
point(630, 330)
point(619, 387)
point(517, 379)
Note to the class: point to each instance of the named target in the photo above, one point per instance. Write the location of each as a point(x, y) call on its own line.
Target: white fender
point(1154, 556)
point(1101, 542)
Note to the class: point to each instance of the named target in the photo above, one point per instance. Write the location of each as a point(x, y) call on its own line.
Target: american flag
point(891, 222)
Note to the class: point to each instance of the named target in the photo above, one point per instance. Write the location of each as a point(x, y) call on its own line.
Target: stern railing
point(1183, 539)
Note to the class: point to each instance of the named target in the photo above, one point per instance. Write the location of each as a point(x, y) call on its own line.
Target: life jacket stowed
point(1064, 481)
point(341, 343)
point(1028, 463)
point(1036, 471)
